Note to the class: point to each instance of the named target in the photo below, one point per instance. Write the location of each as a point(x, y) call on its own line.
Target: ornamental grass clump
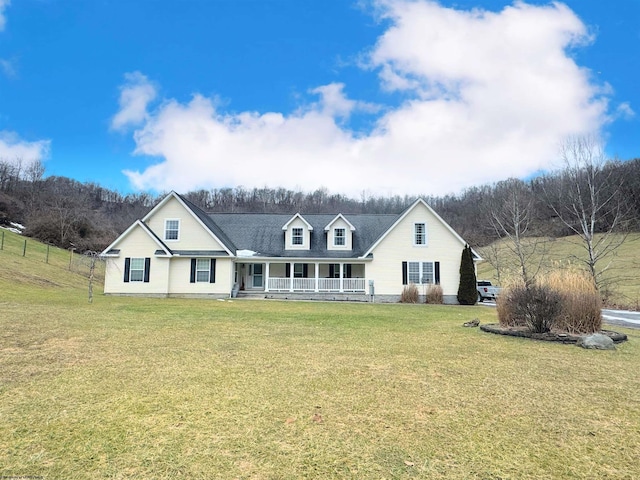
point(434, 294)
point(562, 301)
point(409, 294)
point(506, 301)
point(581, 304)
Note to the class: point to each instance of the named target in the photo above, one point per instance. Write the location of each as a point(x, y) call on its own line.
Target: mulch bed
point(547, 337)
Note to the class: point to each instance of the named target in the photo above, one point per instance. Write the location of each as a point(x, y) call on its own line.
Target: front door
point(256, 275)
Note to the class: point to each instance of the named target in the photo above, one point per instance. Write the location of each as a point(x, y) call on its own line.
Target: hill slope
point(42, 267)
point(566, 253)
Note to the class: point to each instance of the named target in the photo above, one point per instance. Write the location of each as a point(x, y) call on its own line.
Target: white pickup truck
point(486, 291)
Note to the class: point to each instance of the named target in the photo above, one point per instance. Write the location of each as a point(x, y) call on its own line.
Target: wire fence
point(14, 244)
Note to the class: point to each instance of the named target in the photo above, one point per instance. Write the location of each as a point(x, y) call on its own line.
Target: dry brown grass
point(409, 294)
point(434, 295)
point(581, 304)
point(505, 303)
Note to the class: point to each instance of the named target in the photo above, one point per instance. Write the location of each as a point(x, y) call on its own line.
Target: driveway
point(622, 318)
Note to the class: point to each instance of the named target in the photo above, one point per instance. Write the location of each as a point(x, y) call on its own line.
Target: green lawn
point(177, 388)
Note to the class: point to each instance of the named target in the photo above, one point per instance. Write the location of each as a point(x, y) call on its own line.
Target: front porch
point(298, 277)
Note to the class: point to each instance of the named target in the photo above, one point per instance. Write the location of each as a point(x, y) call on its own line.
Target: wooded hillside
point(62, 211)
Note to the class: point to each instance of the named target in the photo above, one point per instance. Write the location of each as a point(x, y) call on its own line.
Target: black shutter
point(436, 271)
point(287, 270)
point(305, 270)
point(348, 272)
point(212, 271)
point(192, 278)
point(404, 273)
point(127, 267)
point(332, 271)
point(147, 267)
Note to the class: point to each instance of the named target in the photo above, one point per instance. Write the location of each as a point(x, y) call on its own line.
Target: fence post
point(47, 257)
point(24, 249)
point(2, 242)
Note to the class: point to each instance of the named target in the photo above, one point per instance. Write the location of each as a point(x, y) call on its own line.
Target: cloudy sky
point(382, 96)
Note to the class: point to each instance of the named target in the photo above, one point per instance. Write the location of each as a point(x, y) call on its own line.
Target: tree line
point(65, 212)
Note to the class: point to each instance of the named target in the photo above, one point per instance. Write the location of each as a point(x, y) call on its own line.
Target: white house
point(179, 250)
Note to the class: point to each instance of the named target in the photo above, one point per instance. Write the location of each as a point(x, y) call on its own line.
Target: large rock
point(597, 341)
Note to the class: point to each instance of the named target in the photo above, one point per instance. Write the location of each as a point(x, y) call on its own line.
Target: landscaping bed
point(561, 337)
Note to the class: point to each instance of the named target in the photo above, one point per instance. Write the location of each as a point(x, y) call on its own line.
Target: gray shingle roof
point(262, 233)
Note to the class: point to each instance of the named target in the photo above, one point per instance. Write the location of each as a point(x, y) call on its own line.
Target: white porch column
point(342, 277)
point(291, 269)
point(317, 267)
point(266, 276)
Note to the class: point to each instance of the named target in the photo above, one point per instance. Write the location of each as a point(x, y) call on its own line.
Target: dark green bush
point(467, 289)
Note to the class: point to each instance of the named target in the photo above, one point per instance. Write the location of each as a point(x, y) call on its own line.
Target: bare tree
point(93, 258)
point(512, 217)
point(587, 198)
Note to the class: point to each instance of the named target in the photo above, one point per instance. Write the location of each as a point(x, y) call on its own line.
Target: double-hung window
point(420, 273)
point(203, 267)
point(137, 269)
point(420, 233)
point(172, 229)
point(203, 270)
point(297, 236)
point(339, 237)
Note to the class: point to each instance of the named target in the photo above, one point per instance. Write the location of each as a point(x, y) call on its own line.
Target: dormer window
point(420, 234)
point(297, 236)
point(297, 233)
point(339, 233)
point(172, 229)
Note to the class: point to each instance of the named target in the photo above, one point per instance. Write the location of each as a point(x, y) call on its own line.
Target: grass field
point(175, 388)
point(566, 252)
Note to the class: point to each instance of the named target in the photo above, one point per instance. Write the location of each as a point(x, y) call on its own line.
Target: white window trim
point(421, 273)
point(200, 270)
point(166, 221)
point(424, 234)
point(343, 237)
point(131, 269)
point(301, 236)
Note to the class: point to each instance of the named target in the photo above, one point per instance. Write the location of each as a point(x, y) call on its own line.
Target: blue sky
point(384, 97)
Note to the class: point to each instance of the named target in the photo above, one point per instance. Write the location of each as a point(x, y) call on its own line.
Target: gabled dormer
point(297, 233)
point(339, 234)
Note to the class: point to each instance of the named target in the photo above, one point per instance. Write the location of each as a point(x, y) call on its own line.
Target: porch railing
point(276, 284)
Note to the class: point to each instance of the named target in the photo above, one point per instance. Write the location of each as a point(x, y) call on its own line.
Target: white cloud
point(135, 95)
point(13, 149)
point(3, 19)
point(625, 111)
point(7, 68)
point(487, 96)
